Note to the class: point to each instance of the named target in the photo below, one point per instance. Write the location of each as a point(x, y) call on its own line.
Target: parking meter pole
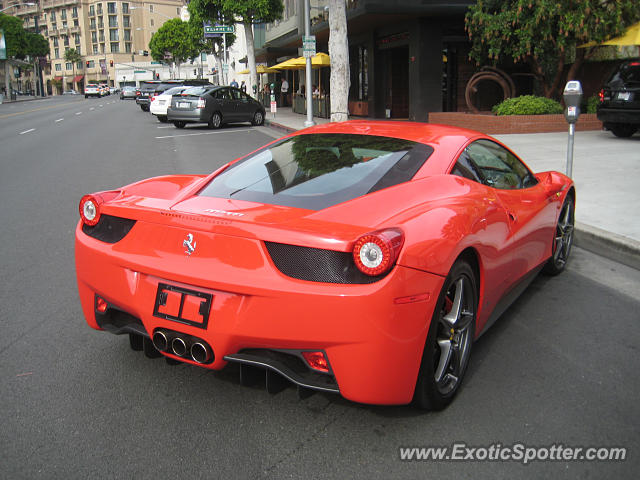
point(572, 97)
point(224, 58)
point(572, 131)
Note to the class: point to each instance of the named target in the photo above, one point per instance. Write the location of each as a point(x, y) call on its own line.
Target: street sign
point(156, 63)
point(208, 29)
point(309, 46)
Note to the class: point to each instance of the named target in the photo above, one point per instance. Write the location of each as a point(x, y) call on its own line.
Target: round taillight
point(90, 210)
point(376, 252)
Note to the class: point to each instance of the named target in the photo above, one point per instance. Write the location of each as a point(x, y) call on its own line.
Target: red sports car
point(361, 258)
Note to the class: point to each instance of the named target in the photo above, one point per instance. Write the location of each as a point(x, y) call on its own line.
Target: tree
point(175, 38)
point(213, 46)
point(72, 55)
point(542, 33)
point(246, 12)
point(339, 53)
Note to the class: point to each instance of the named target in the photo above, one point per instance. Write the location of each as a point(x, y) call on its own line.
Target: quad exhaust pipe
point(183, 346)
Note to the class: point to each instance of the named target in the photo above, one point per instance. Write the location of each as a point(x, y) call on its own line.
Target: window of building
point(113, 21)
point(95, 49)
point(127, 35)
point(76, 23)
point(127, 47)
point(76, 38)
point(54, 26)
point(56, 53)
point(125, 8)
point(111, 7)
point(152, 22)
point(92, 10)
point(115, 47)
point(99, 9)
point(91, 64)
point(151, 8)
point(100, 22)
point(65, 39)
point(79, 64)
point(113, 35)
point(92, 24)
point(58, 67)
point(74, 12)
point(94, 37)
point(126, 22)
point(69, 66)
point(101, 36)
point(102, 48)
point(63, 14)
point(55, 41)
point(53, 15)
point(64, 24)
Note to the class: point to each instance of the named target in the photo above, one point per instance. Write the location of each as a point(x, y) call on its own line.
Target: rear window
point(197, 91)
point(174, 90)
point(628, 73)
point(320, 170)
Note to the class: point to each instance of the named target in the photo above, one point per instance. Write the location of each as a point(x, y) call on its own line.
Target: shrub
point(592, 104)
point(527, 105)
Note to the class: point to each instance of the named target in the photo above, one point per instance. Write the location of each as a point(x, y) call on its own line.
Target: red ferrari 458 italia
point(361, 258)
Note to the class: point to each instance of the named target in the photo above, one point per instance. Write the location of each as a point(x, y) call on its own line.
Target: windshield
point(317, 171)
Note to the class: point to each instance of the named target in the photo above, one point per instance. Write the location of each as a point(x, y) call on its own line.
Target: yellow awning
point(259, 69)
point(290, 64)
point(319, 60)
point(630, 37)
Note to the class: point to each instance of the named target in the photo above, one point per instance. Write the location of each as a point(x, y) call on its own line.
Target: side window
point(223, 94)
point(498, 167)
point(464, 167)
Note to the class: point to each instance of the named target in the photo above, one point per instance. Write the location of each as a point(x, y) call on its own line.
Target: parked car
point(361, 258)
point(128, 92)
point(70, 92)
point(151, 88)
point(619, 107)
point(214, 106)
point(92, 90)
point(104, 90)
point(159, 103)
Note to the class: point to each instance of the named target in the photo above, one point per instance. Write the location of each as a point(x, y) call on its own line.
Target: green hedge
point(527, 105)
point(592, 105)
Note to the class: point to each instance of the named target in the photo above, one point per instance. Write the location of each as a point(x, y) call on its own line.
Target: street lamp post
point(307, 32)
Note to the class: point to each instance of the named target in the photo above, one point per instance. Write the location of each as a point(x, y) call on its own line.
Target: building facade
point(109, 36)
point(407, 58)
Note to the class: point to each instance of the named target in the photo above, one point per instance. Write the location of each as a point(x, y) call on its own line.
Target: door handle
point(512, 216)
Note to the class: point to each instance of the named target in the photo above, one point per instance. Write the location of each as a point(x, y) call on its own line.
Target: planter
point(492, 124)
point(360, 109)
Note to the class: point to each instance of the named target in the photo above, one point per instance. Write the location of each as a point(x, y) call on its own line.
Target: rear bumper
point(189, 116)
point(372, 336)
point(617, 115)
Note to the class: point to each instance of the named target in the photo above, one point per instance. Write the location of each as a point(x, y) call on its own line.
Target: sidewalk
point(606, 171)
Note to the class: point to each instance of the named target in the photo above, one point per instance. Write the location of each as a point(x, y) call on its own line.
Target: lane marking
point(92, 108)
point(27, 131)
point(166, 126)
point(59, 120)
point(78, 113)
point(203, 133)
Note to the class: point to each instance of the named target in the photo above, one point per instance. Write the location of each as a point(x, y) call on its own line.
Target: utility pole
point(38, 66)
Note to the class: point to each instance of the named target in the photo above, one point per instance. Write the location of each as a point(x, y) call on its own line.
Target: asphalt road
point(557, 368)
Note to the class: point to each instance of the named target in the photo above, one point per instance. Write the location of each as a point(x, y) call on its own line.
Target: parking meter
point(572, 97)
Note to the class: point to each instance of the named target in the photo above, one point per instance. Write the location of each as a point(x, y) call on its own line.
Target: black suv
point(151, 88)
point(619, 107)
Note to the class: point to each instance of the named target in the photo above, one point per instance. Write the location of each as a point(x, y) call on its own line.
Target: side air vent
point(317, 264)
point(109, 229)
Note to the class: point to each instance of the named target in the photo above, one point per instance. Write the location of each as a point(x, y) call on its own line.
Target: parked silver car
point(214, 106)
point(128, 92)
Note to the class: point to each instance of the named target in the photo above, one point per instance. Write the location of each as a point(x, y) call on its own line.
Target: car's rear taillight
point(317, 361)
point(90, 209)
point(201, 103)
point(151, 99)
point(601, 95)
point(376, 252)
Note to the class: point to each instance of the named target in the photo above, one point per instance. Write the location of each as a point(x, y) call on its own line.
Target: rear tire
point(448, 346)
point(145, 108)
point(216, 120)
point(135, 342)
point(623, 130)
point(179, 124)
point(258, 119)
point(562, 240)
point(162, 118)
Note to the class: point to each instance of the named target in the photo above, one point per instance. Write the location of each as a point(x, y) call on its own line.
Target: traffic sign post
point(308, 46)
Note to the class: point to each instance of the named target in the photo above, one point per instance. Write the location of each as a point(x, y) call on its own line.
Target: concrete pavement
point(606, 171)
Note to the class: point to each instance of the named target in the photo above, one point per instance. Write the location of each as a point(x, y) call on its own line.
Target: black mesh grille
point(317, 264)
point(109, 229)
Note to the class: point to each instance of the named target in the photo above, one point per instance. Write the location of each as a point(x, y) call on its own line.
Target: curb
point(610, 245)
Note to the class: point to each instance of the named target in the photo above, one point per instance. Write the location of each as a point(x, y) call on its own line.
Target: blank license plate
point(624, 96)
point(182, 305)
point(184, 105)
